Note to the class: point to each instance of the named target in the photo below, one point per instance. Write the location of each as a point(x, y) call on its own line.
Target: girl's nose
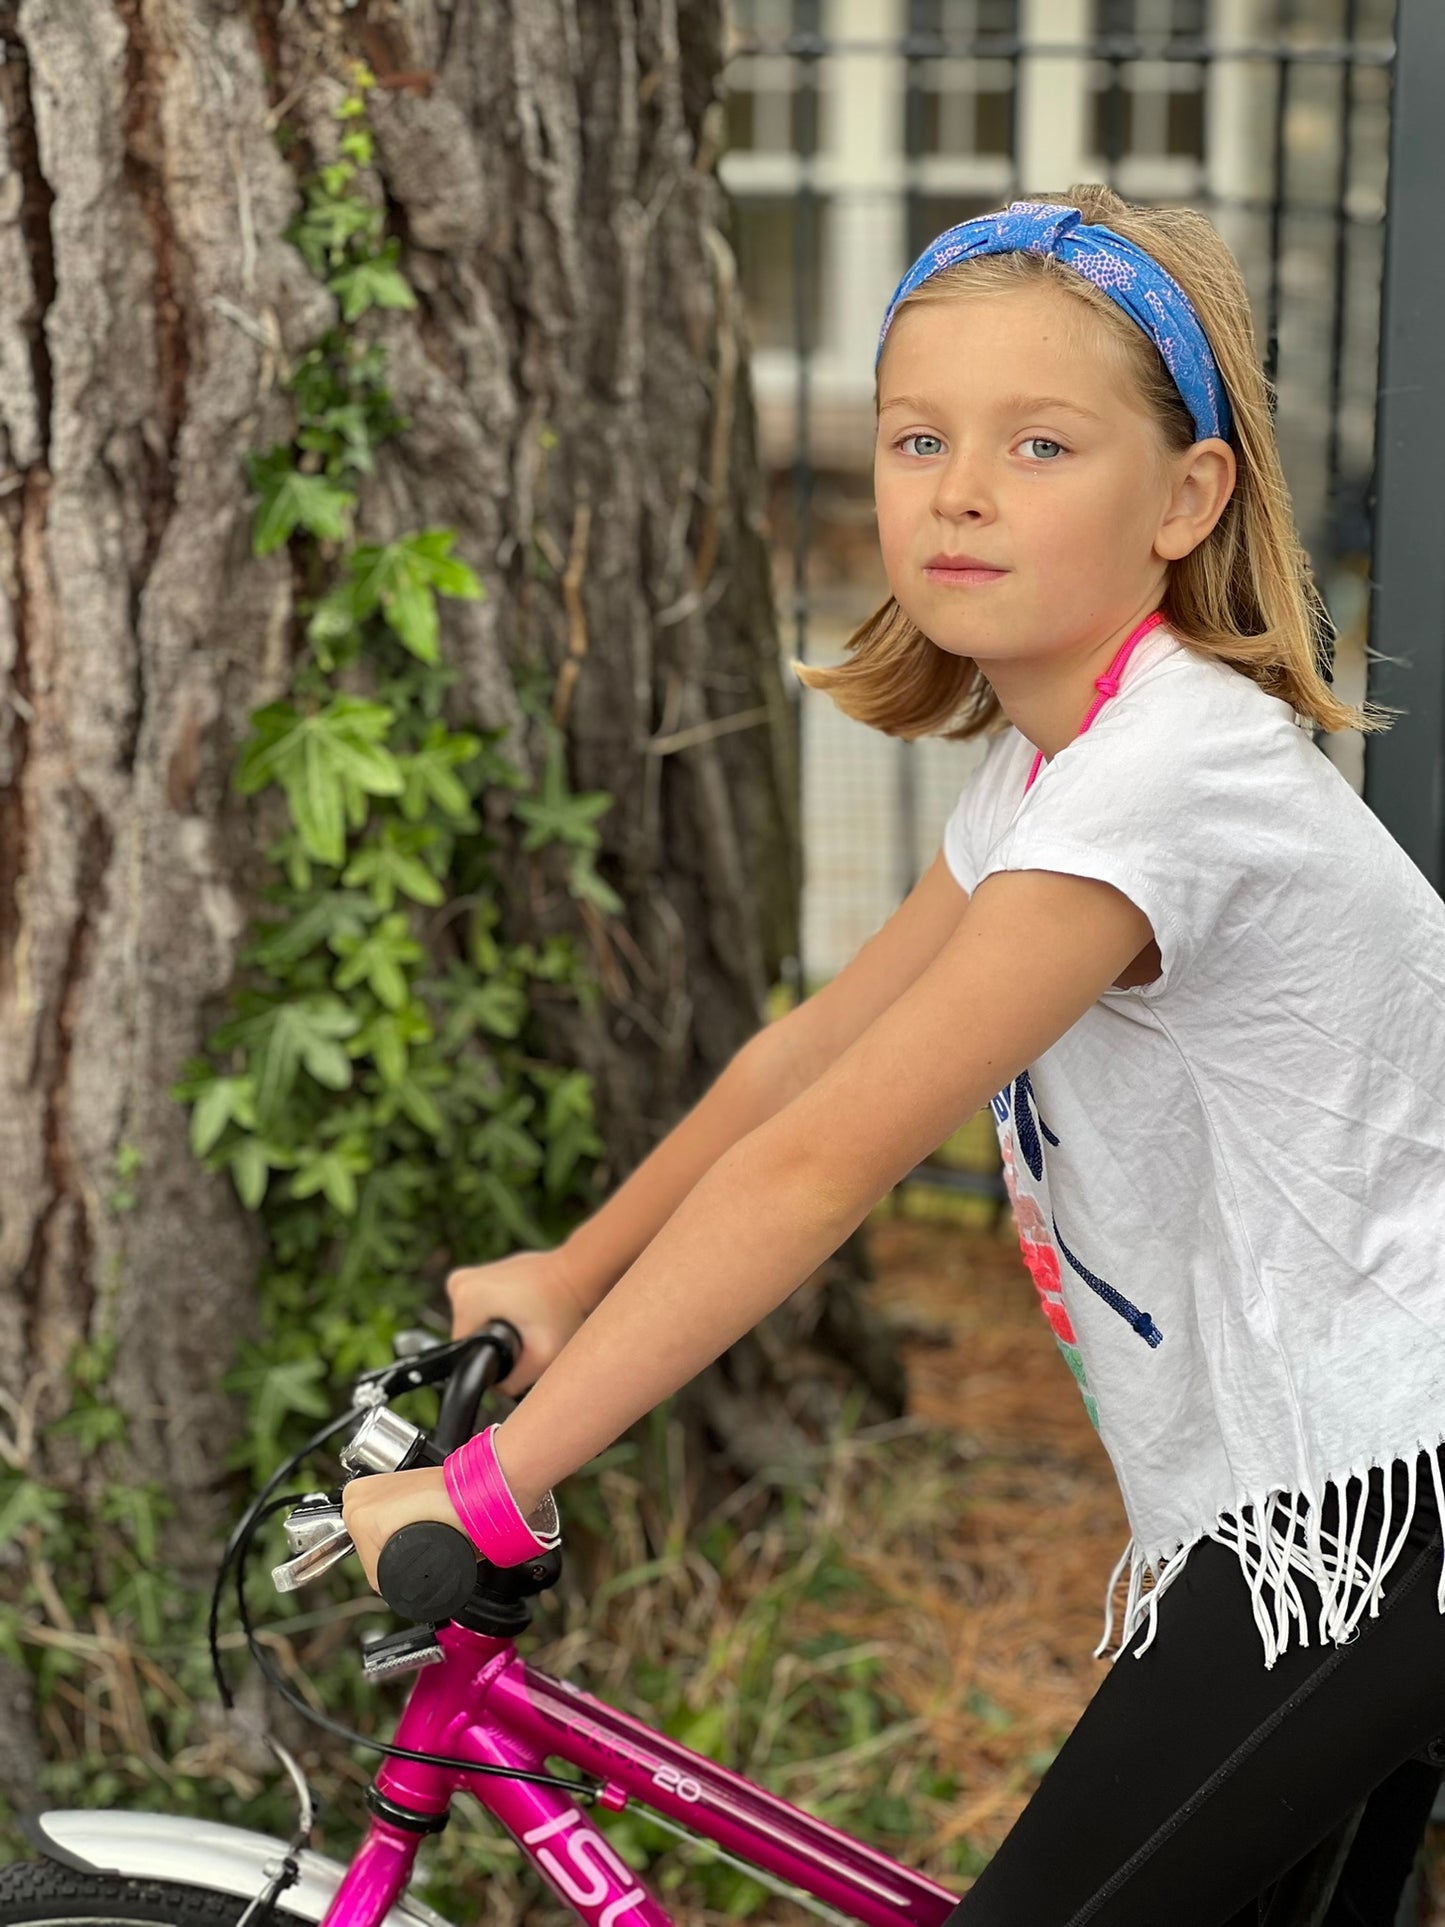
point(963, 489)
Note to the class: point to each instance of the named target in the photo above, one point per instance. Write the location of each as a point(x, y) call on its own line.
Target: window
point(768, 107)
point(930, 214)
point(962, 101)
point(1145, 103)
point(768, 241)
point(771, 104)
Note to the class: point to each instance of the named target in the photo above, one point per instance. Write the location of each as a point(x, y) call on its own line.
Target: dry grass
point(1003, 1618)
point(1017, 1603)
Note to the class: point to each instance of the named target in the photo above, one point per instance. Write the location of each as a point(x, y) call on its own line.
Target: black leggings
point(1197, 1788)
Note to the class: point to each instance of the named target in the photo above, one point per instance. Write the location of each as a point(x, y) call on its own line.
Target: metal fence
point(860, 128)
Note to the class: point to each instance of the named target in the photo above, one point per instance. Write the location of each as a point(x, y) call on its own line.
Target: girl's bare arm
point(772, 1069)
point(1029, 955)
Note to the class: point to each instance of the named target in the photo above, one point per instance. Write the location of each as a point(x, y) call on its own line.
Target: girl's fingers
point(382, 1503)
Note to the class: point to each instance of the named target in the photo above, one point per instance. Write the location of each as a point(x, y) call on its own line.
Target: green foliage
point(378, 1091)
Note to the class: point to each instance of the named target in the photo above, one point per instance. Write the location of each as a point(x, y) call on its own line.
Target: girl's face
point(1027, 503)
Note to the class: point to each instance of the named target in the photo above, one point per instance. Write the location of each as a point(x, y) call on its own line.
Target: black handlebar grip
point(427, 1571)
point(507, 1338)
point(469, 1383)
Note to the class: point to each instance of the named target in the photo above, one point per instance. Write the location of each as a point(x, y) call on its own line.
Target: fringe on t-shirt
point(1278, 1539)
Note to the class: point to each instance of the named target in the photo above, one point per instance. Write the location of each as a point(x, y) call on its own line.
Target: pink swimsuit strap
point(1107, 684)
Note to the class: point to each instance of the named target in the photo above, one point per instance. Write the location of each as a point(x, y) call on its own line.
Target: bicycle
point(479, 1719)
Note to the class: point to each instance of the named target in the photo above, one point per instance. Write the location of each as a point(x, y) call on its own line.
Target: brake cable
point(237, 1552)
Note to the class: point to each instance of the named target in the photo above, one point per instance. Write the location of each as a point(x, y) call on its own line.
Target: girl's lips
point(968, 574)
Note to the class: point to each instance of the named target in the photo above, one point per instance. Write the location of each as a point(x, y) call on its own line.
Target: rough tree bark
point(575, 382)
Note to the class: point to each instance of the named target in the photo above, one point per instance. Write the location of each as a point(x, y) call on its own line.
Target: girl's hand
point(533, 1290)
point(382, 1503)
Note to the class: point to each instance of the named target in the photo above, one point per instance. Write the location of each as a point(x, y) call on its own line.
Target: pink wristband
point(494, 1521)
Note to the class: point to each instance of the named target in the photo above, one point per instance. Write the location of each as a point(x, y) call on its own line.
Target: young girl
point(1204, 992)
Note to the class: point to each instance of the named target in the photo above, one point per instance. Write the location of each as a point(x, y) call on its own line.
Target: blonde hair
point(1245, 595)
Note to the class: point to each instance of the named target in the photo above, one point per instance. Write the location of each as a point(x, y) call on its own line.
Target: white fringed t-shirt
point(1230, 1183)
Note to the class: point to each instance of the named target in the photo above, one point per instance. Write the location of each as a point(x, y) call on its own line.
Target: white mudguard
point(199, 1853)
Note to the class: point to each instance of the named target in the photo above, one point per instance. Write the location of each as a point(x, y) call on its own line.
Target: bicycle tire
point(42, 1893)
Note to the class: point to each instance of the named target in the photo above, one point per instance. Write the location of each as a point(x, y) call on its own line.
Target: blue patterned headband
point(1132, 280)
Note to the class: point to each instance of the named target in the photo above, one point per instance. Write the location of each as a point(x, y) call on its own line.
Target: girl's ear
point(1203, 483)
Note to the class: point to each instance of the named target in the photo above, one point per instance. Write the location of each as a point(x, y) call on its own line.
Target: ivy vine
point(377, 1091)
point(374, 1093)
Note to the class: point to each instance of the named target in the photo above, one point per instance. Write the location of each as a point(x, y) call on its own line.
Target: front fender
point(199, 1853)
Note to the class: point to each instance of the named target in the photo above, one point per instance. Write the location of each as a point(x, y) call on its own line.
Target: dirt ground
point(1043, 1524)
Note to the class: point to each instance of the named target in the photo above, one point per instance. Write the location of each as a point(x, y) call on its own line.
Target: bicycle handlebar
point(427, 1571)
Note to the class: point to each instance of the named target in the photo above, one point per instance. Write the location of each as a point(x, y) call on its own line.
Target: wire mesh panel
point(858, 129)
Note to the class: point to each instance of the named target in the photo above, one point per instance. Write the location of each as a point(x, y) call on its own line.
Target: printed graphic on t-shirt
point(1019, 1121)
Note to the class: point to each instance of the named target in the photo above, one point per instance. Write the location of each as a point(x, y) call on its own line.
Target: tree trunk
point(575, 383)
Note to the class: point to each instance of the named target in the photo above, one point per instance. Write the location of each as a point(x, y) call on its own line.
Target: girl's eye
point(921, 437)
point(1044, 449)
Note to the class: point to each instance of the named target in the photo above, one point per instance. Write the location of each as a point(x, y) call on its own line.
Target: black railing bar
point(1236, 203)
point(905, 829)
point(804, 202)
point(1341, 265)
point(1113, 93)
point(1128, 47)
point(1015, 157)
point(1279, 162)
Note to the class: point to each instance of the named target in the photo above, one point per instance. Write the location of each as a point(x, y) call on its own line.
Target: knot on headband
point(1132, 279)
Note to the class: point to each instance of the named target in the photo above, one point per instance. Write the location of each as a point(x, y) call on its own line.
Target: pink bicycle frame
point(482, 1702)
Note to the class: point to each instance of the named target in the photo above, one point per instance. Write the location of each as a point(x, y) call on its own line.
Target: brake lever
point(324, 1542)
point(437, 1363)
point(407, 1374)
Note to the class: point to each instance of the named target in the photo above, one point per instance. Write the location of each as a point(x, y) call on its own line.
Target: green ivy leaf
point(274, 1389)
point(252, 1160)
point(334, 1172)
point(510, 1209)
point(387, 1038)
point(403, 580)
point(323, 232)
point(335, 913)
point(92, 1425)
point(26, 1502)
point(379, 959)
point(393, 865)
point(482, 946)
point(290, 498)
point(223, 1101)
point(420, 1106)
point(502, 1143)
point(430, 554)
point(375, 282)
point(286, 1036)
point(558, 816)
point(569, 1098)
point(585, 884)
point(496, 1006)
point(429, 775)
point(566, 1147)
point(318, 760)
